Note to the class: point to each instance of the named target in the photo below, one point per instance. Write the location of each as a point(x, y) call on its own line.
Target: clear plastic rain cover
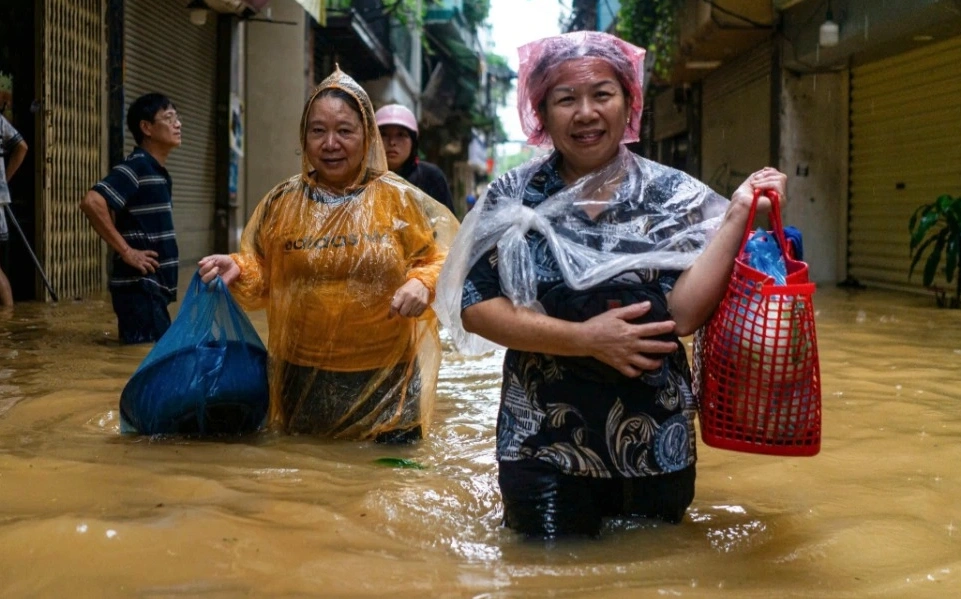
point(632, 214)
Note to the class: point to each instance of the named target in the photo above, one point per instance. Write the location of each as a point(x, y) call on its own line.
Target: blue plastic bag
point(207, 375)
point(764, 254)
point(795, 242)
point(757, 315)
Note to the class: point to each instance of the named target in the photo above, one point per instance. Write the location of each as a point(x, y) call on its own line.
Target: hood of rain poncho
point(539, 62)
point(326, 266)
point(375, 162)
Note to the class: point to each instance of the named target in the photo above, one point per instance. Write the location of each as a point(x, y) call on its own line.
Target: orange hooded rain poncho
point(325, 266)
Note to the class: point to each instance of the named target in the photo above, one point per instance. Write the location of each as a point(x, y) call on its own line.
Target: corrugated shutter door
point(74, 49)
point(164, 52)
point(905, 151)
point(747, 70)
point(736, 121)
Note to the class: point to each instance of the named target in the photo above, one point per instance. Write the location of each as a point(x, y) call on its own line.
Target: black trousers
point(142, 316)
point(321, 402)
point(542, 502)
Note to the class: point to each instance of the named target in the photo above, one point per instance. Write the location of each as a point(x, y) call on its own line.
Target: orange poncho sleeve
point(428, 241)
point(251, 289)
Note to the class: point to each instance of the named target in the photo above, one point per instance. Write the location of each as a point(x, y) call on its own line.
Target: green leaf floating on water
point(400, 463)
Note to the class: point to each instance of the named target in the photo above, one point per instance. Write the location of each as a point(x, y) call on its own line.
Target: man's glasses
point(169, 118)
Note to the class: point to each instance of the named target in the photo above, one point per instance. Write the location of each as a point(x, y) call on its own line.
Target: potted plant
point(936, 231)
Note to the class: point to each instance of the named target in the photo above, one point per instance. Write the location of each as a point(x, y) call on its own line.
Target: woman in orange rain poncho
point(344, 257)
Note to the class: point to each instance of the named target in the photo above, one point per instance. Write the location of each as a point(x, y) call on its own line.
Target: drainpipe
point(226, 162)
point(115, 91)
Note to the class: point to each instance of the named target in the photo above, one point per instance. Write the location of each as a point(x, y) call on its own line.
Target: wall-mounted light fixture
point(830, 31)
point(198, 12)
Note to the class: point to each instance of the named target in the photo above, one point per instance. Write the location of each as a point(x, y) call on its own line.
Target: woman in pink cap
point(588, 265)
point(398, 129)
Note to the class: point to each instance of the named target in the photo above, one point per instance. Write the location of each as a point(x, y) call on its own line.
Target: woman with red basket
point(588, 265)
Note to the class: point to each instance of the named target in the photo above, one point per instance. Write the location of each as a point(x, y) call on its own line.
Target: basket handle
point(776, 222)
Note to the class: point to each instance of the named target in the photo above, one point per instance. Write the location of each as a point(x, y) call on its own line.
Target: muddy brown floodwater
point(85, 511)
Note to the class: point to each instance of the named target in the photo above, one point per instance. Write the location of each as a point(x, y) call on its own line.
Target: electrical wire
point(740, 17)
point(728, 27)
point(814, 12)
point(793, 40)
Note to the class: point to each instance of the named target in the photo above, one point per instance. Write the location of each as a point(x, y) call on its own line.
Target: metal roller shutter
point(905, 151)
point(736, 120)
point(164, 52)
point(74, 51)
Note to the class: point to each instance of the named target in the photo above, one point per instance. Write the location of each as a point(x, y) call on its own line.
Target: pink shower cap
point(538, 64)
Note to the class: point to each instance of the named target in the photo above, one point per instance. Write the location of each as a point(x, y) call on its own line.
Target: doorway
point(18, 103)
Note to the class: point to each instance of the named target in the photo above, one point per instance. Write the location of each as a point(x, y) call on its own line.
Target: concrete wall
point(813, 151)
point(275, 92)
point(736, 136)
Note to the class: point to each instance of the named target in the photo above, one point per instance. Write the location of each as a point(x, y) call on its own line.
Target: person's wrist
point(582, 341)
point(428, 288)
point(737, 210)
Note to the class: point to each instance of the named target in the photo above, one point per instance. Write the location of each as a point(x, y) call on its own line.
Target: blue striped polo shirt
point(138, 190)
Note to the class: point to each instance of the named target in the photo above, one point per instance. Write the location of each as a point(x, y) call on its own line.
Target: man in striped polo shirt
point(131, 210)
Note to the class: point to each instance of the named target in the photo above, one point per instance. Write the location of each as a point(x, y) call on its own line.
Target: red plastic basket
point(756, 370)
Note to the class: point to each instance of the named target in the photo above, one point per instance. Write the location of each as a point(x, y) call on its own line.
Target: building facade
point(864, 125)
point(858, 101)
point(238, 71)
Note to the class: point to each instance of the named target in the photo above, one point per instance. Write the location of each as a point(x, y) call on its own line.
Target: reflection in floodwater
point(875, 514)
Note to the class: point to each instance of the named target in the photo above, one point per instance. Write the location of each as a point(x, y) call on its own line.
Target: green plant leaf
point(914, 217)
point(951, 259)
point(928, 219)
point(935, 230)
point(955, 209)
point(652, 24)
point(919, 253)
point(400, 463)
point(944, 203)
point(953, 223)
point(931, 266)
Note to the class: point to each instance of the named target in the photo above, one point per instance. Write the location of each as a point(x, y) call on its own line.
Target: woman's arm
point(425, 249)
point(608, 337)
point(427, 264)
point(701, 287)
point(247, 272)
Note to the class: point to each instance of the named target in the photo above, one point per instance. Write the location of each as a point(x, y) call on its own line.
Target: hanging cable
point(737, 16)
